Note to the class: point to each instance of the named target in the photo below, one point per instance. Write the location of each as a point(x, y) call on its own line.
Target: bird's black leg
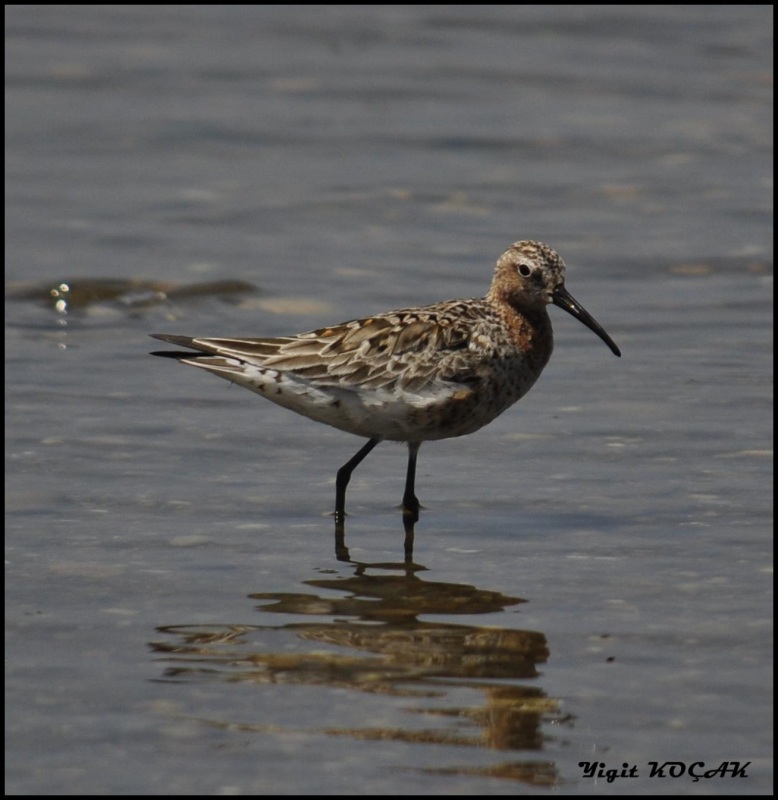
point(344, 476)
point(410, 501)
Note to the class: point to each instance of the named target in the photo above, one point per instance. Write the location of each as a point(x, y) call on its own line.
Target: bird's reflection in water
point(342, 551)
point(370, 639)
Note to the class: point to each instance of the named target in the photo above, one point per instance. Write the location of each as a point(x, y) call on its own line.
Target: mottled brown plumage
point(411, 375)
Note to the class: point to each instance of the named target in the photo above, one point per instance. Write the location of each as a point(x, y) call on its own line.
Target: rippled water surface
point(591, 576)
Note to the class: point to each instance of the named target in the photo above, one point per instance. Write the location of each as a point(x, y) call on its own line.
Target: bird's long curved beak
point(562, 298)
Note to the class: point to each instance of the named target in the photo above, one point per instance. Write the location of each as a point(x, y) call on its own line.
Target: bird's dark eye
point(524, 271)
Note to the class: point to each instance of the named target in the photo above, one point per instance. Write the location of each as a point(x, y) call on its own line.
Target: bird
point(411, 375)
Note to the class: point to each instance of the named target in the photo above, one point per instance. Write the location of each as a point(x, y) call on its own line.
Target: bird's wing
point(409, 350)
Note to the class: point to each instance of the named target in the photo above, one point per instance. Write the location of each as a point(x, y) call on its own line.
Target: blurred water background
point(591, 580)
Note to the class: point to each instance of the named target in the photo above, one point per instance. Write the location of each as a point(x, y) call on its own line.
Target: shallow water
point(591, 577)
